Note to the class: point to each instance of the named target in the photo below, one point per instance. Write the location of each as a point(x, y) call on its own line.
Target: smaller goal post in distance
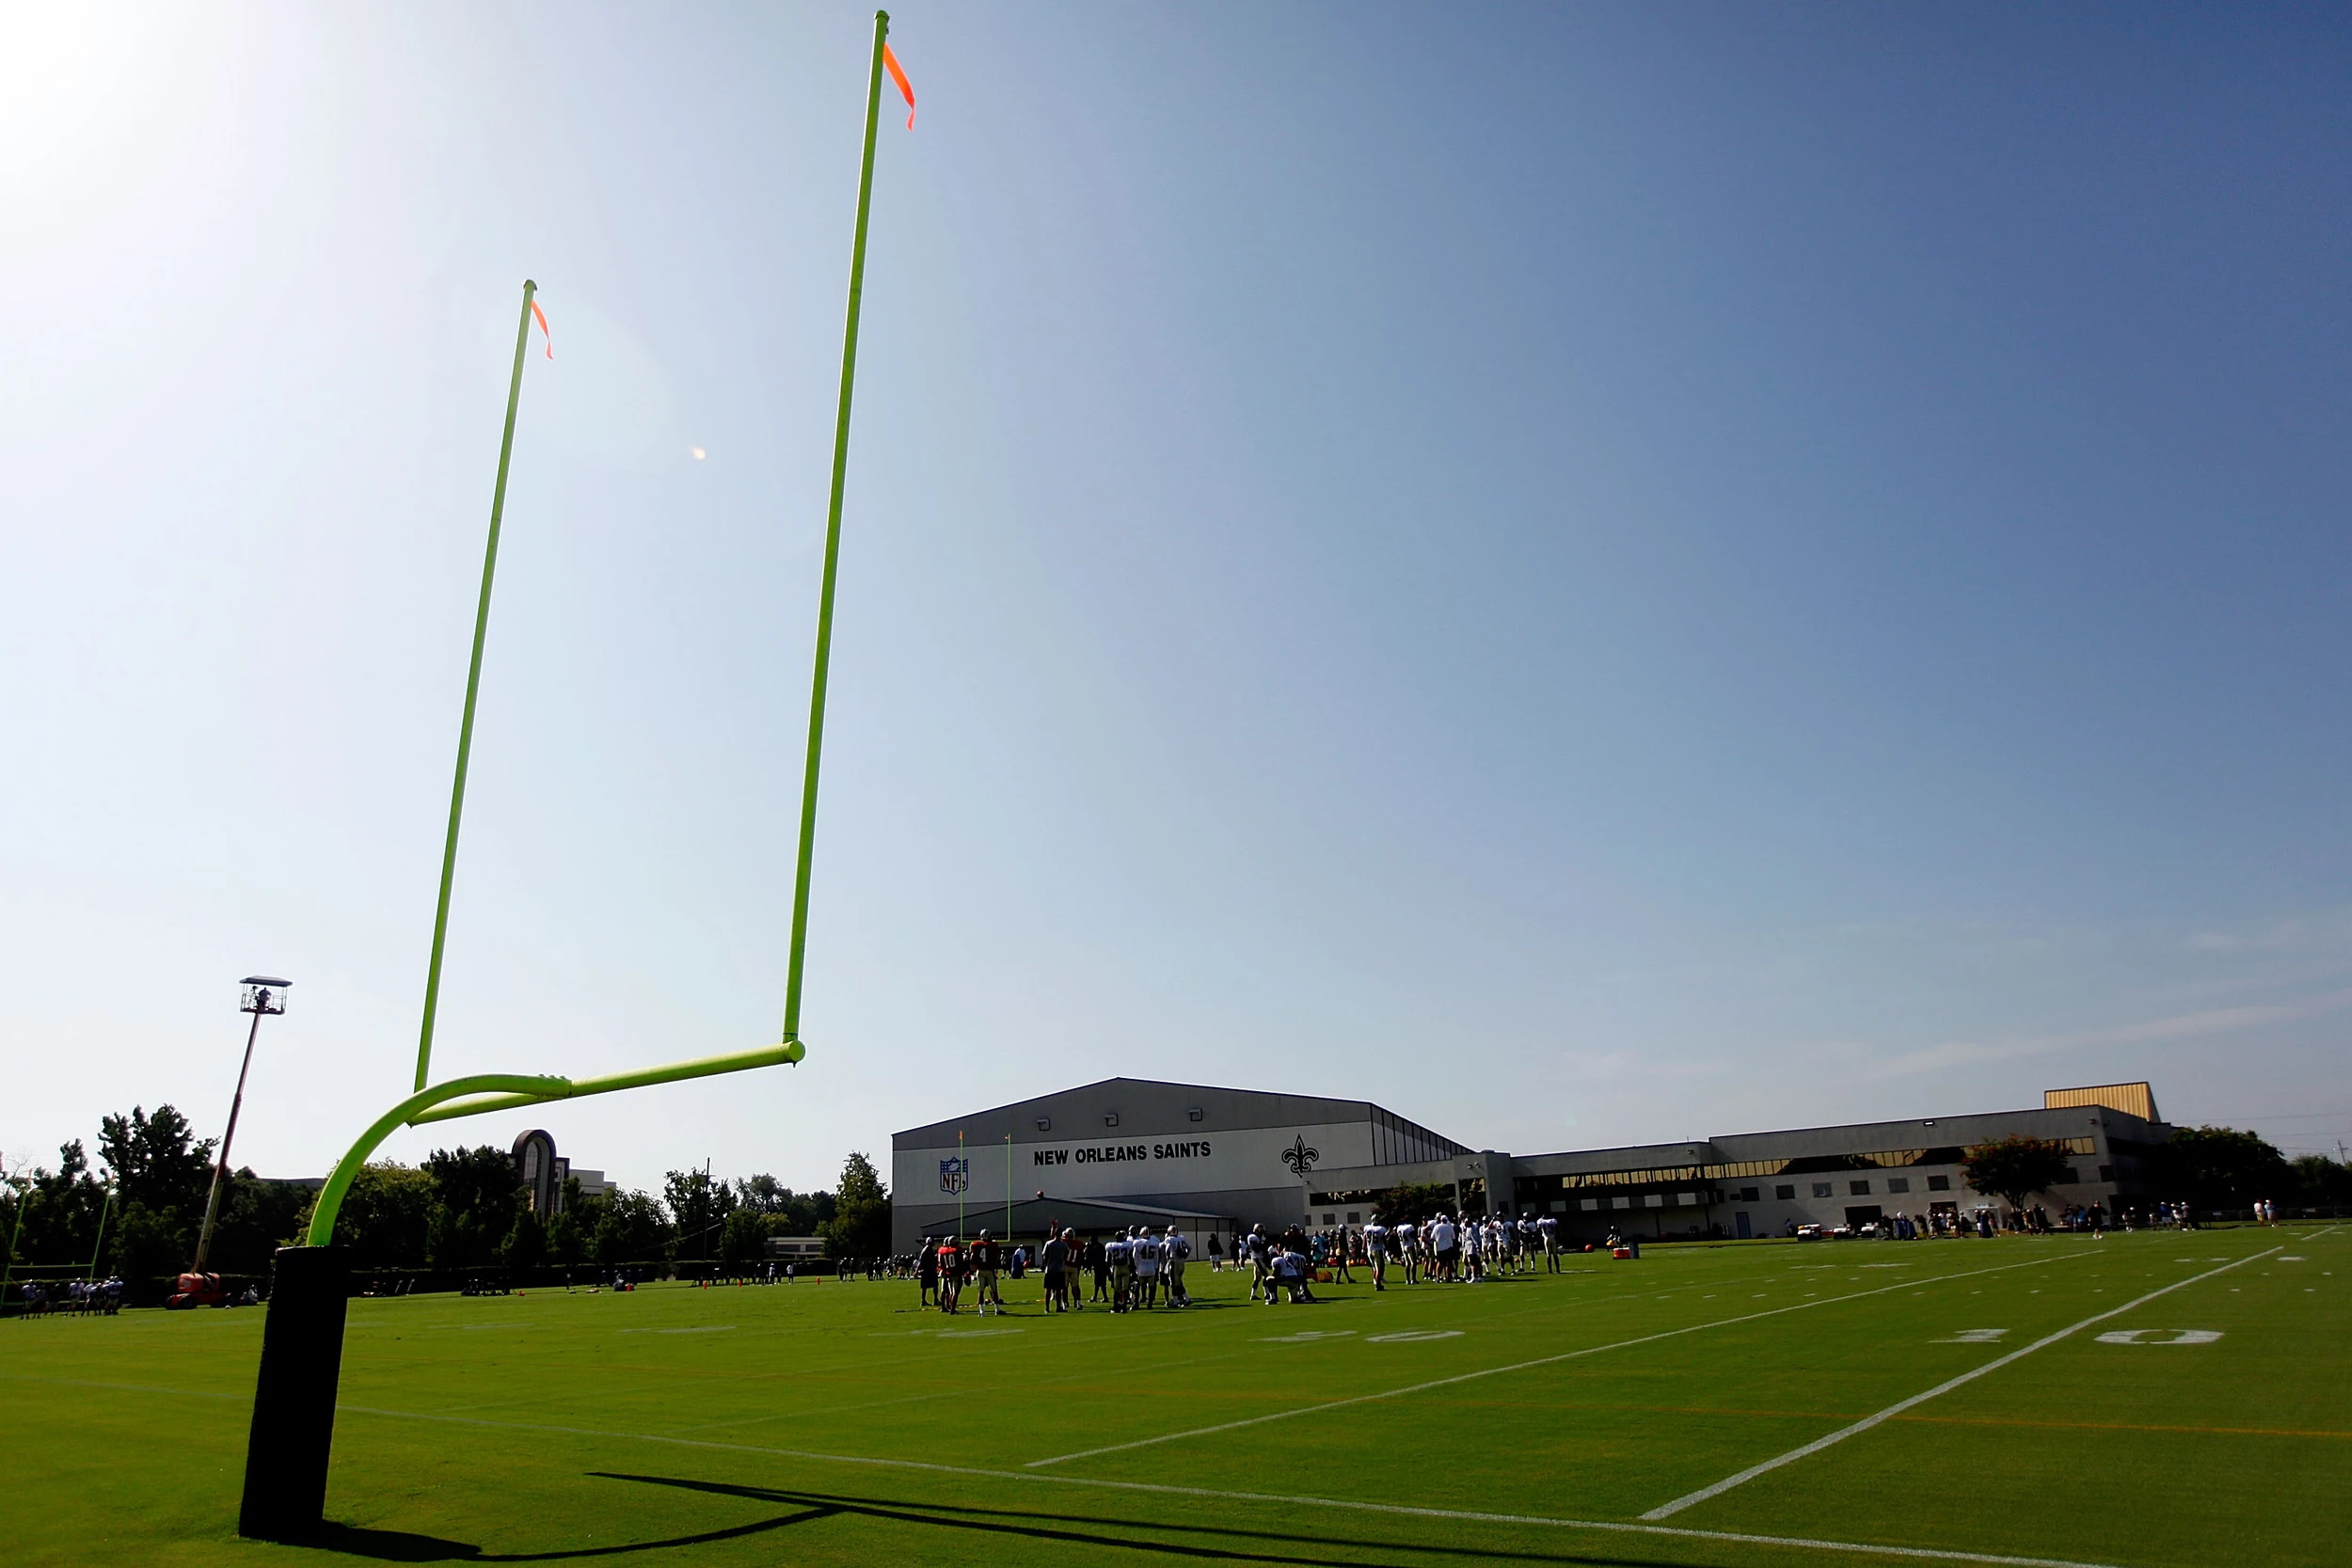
point(294, 1399)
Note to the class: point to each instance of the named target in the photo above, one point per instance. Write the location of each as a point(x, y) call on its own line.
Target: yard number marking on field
point(1516, 1365)
point(1615, 1527)
point(1413, 1336)
point(1667, 1510)
point(2179, 1336)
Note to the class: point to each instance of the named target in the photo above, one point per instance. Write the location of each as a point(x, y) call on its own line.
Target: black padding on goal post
point(293, 1399)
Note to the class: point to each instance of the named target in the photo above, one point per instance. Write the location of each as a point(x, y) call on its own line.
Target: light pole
point(264, 996)
point(23, 1190)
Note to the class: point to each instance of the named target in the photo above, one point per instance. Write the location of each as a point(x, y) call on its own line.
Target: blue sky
point(1589, 574)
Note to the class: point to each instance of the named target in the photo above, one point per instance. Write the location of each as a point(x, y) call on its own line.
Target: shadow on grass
point(391, 1545)
point(1090, 1531)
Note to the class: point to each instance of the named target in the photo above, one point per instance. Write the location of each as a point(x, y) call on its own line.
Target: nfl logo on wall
point(954, 1175)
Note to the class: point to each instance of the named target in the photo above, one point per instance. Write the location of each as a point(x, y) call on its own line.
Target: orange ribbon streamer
point(542, 317)
point(897, 75)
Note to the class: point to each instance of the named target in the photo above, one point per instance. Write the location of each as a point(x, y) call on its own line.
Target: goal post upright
point(833, 539)
point(293, 1405)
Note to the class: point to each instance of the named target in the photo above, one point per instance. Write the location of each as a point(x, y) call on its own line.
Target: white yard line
point(1666, 1510)
point(1522, 1366)
point(1932, 1553)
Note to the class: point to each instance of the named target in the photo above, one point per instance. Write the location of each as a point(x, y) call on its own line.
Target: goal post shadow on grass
point(293, 1431)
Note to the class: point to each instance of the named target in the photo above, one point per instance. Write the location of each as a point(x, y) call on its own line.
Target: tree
point(700, 1207)
point(477, 1192)
point(257, 1217)
point(526, 1244)
point(567, 1241)
point(2014, 1168)
point(155, 1160)
point(2220, 1168)
point(860, 1226)
point(1409, 1203)
point(743, 1239)
point(631, 1230)
point(387, 1216)
point(160, 1175)
point(2321, 1182)
point(63, 1211)
point(791, 1213)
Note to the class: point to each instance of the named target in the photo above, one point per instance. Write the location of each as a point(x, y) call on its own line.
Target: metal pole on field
point(832, 542)
point(1009, 1189)
point(264, 995)
point(964, 1179)
point(7, 1268)
point(105, 1207)
point(220, 1166)
point(473, 688)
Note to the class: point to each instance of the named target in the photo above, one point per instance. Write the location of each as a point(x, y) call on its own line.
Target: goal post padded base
point(294, 1397)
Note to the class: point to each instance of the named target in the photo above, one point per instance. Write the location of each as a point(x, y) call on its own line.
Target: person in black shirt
point(1054, 1257)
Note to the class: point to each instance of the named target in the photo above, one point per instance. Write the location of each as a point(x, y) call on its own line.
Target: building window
point(1588, 1204)
point(1686, 1200)
point(1861, 1189)
point(1784, 1193)
point(1111, 1118)
point(1653, 1200)
point(1823, 1189)
point(1355, 1216)
point(1899, 1184)
point(1193, 1115)
point(1939, 1183)
point(1620, 1201)
point(1045, 1124)
point(2106, 1173)
point(1559, 1205)
point(1750, 1195)
point(2070, 1177)
point(1331, 1219)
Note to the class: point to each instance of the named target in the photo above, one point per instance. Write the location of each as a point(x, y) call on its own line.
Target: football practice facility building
point(1210, 1161)
point(1130, 1151)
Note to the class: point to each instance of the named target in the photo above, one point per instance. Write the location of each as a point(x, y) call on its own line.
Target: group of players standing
point(1132, 1270)
point(1441, 1249)
point(1136, 1269)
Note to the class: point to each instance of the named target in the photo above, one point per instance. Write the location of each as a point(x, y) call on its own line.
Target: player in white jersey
point(1143, 1253)
point(1115, 1254)
point(1548, 1229)
point(1174, 1252)
point(1445, 1247)
point(1406, 1237)
point(1377, 1248)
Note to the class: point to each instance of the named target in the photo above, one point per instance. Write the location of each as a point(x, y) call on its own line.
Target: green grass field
point(1533, 1420)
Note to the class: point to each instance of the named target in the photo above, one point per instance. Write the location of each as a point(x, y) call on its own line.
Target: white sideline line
point(1618, 1527)
point(1522, 1366)
point(1666, 1510)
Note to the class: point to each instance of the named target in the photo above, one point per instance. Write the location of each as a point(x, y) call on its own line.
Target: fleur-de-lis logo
point(1300, 1158)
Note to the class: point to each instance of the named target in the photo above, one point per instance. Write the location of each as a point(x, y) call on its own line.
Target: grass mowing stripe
point(1523, 1366)
point(1618, 1527)
point(123, 1387)
point(1667, 1510)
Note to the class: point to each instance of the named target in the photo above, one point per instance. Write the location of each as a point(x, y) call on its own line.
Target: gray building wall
point(1245, 1155)
point(1827, 1176)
